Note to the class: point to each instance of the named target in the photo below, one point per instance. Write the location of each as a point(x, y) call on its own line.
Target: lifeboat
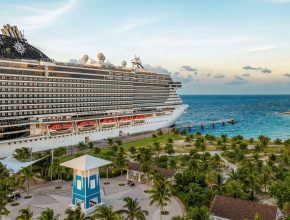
point(125, 119)
point(139, 117)
point(108, 121)
point(60, 126)
point(89, 123)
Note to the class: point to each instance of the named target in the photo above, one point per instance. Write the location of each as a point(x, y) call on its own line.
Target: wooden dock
point(202, 125)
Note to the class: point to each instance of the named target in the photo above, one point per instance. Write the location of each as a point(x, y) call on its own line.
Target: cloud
point(188, 68)
point(134, 23)
point(42, 17)
point(261, 69)
point(258, 49)
point(237, 81)
point(157, 69)
point(239, 78)
point(246, 75)
point(176, 76)
point(287, 74)
point(219, 76)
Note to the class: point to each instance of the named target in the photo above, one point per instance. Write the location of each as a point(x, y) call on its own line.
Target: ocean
point(258, 114)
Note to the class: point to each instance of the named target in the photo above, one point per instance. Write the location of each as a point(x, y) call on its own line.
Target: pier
point(202, 125)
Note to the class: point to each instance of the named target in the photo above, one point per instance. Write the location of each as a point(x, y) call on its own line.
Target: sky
point(211, 46)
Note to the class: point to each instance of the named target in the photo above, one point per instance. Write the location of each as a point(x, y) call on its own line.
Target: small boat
point(108, 121)
point(60, 126)
point(125, 119)
point(139, 117)
point(89, 123)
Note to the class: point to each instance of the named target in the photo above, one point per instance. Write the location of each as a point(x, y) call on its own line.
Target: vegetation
point(132, 210)
point(48, 214)
point(254, 169)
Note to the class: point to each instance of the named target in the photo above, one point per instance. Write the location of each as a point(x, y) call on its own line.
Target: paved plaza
point(46, 195)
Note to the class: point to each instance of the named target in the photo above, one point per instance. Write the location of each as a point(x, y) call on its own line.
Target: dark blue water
point(258, 115)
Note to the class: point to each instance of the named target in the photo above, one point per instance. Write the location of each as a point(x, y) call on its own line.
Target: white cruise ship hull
point(49, 142)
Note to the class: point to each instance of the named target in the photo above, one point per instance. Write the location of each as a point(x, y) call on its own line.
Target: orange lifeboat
point(108, 121)
point(125, 119)
point(60, 126)
point(139, 117)
point(87, 123)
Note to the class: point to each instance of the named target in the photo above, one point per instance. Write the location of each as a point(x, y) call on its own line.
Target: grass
point(14, 204)
point(162, 139)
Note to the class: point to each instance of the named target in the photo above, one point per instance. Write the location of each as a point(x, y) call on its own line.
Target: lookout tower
point(86, 190)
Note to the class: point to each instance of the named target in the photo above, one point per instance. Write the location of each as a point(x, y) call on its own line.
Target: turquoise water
point(257, 114)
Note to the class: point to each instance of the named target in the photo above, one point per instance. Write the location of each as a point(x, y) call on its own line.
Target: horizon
point(230, 48)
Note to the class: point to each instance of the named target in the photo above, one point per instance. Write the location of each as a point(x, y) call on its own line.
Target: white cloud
point(42, 17)
point(258, 49)
point(135, 23)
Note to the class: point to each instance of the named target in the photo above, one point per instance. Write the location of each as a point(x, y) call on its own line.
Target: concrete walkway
point(46, 196)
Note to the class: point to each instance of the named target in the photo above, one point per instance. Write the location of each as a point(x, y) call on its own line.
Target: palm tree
point(160, 192)
point(157, 148)
point(22, 154)
point(110, 142)
point(224, 138)
point(188, 139)
point(235, 189)
point(48, 214)
point(210, 179)
point(55, 169)
point(169, 140)
point(133, 210)
point(133, 152)
point(266, 176)
point(119, 142)
point(233, 175)
point(106, 213)
point(197, 213)
point(25, 214)
point(91, 146)
point(216, 162)
point(75, 214)
point(120, 161)
point(28, 174)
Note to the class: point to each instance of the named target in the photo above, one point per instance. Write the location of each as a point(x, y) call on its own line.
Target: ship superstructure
point(46, 104)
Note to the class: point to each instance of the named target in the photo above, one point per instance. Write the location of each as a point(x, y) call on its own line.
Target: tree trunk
point(122, 174)
point(27, 187)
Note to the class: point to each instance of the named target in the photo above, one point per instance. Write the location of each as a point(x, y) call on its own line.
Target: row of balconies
point(61, 111)
point(60, 79)
point(77, 105)
point(56, 105)
point(61, 85)
point(60, 101)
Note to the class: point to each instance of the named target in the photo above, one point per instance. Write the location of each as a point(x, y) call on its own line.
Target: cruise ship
point(46, 104)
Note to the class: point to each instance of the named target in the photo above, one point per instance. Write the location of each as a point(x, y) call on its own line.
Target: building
point(227, 208)
point(86, 189)
point(134, 172)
